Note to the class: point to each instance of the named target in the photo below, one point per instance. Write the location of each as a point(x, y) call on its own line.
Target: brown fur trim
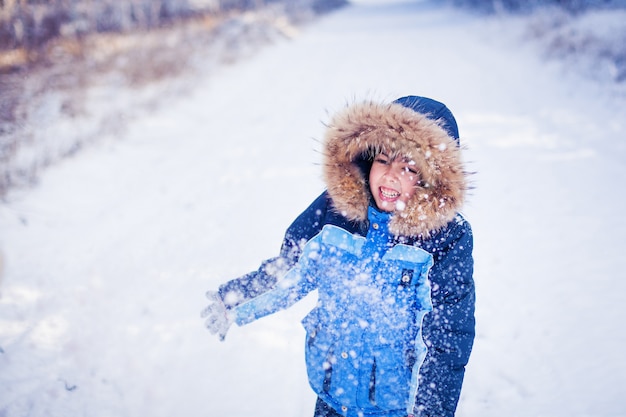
point(362, 128)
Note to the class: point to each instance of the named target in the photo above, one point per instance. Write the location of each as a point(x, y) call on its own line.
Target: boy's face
point(392, 182)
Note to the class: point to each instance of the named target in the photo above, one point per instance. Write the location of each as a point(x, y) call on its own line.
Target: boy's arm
point(297, 283)
point(307, 224)
point(249, 286)
point(449, 329)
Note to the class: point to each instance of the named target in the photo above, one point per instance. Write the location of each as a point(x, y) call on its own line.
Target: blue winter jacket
point(394, 327)
point(447, 332)
point(364, 346)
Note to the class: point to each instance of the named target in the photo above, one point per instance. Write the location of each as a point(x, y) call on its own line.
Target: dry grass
point(65, 69)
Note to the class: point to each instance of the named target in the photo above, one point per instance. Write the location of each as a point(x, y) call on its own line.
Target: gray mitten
point(218, 317)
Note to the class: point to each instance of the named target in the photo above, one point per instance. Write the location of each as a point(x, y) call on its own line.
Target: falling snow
point(108, 258)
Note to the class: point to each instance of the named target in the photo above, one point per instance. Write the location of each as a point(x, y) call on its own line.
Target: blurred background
point(57, 55)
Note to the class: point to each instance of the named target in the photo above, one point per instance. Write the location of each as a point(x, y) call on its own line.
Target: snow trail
point(108, 258)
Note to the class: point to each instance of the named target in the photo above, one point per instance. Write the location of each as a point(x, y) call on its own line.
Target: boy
point(391, 258)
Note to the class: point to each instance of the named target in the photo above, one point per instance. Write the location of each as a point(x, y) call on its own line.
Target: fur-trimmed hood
point(416, 127)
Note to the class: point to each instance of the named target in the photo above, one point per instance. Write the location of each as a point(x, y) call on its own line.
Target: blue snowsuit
point(364, 346)
point(394, 325)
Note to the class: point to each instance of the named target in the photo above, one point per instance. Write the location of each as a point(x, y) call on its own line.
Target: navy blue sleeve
point(449, 329)
point(307, 224)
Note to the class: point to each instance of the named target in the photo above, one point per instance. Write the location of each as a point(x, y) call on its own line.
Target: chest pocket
point(408, 265)
point(405, 285)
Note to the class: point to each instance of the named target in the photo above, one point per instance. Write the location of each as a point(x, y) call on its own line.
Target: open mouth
point(389, 194)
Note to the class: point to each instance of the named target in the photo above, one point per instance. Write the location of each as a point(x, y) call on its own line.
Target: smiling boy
point(391, 259)
point(392, 181)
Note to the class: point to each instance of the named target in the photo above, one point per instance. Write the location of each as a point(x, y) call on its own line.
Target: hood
point(416, 127)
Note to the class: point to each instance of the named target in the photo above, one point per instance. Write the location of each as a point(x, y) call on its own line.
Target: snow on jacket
point(364, 346)
point(394, 359)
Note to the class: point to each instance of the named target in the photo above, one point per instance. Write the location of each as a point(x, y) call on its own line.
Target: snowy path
point(109, 257)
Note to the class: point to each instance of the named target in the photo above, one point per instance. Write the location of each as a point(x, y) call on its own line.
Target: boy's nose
point(393, 173)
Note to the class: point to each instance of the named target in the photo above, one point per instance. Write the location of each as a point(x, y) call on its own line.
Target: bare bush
point(31, 23)
point(593, 42)
point(525, 6)
point(587, 36)
point(96, 81)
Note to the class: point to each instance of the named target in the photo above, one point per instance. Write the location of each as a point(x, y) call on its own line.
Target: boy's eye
point(410, 169)
point(381, 160)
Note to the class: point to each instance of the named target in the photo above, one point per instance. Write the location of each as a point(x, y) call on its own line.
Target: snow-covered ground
point(108, 258)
